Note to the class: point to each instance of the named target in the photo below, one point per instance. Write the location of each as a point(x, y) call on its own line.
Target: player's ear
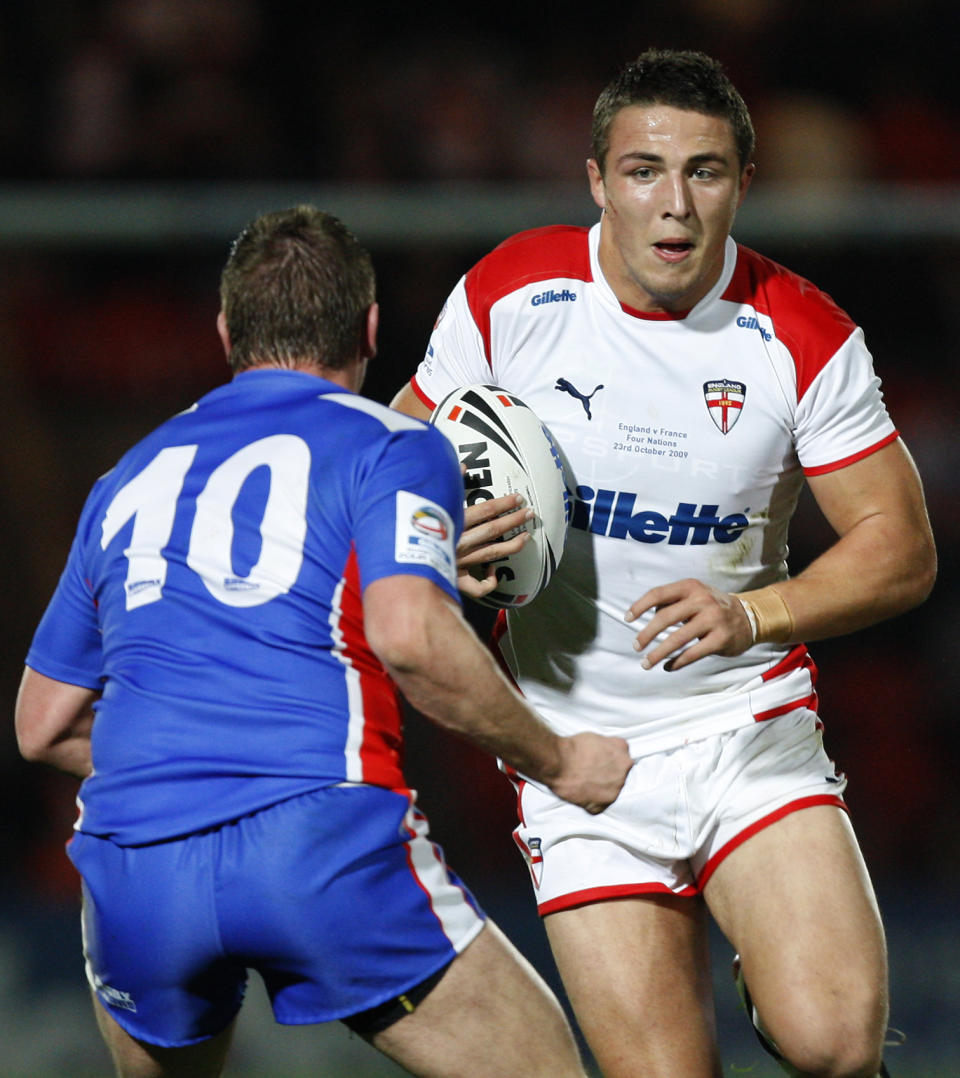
point(597, 188)
point(745, 177)
point(369, 340)
point(224, 334)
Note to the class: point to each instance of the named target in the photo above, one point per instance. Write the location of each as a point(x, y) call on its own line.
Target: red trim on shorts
point(785, 810)
point(519, 785)
point(603, 894)
point(497, 633)
point(525, 849)
point(811, 702)
point(797, 658)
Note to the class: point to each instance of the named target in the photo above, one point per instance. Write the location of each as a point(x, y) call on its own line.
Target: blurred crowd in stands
point(95, 347)
point(252, 89)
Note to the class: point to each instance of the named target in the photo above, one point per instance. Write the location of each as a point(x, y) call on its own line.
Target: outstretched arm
point(53, 722)
point(441, 667)
point(883, 563)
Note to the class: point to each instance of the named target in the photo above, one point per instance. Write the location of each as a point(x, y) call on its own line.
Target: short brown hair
point(683, 79)
point(296, 289)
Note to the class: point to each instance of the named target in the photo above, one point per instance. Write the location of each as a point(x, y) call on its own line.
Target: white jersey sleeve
point(841, 417)
point(455, 355)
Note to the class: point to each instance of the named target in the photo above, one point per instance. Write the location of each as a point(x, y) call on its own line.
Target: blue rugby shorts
point(337, 898)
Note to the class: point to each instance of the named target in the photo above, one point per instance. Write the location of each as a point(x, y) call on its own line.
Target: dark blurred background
point(138, 136)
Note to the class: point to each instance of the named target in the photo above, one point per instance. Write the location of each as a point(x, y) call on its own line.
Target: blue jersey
point(213, 593)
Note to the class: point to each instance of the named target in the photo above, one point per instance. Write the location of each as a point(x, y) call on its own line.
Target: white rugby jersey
point(686, 440)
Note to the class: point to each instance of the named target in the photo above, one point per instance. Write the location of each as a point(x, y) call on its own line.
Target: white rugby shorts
point(680, 813)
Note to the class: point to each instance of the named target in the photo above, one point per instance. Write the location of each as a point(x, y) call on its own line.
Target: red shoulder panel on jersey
point(806, 319)
point(539, 254)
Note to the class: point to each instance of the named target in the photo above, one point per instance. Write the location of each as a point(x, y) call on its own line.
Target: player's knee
point(834, 1050)
point(843, 1064)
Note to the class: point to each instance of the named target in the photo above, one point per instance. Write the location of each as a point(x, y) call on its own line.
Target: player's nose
point(677, 199)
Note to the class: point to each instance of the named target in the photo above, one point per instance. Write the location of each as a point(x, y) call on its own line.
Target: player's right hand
point(482, 544)
point(593, 770)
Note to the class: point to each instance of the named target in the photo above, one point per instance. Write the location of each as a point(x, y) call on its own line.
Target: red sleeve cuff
point(836, 465)
point(420, 393)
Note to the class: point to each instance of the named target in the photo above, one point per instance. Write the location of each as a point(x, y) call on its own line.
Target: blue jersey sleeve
point(67, 643)
point(410, 511)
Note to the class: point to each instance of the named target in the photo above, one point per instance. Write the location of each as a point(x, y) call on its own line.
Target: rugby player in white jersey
point(693, 387)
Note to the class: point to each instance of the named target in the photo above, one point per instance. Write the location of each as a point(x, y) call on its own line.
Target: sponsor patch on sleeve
point(425, 535)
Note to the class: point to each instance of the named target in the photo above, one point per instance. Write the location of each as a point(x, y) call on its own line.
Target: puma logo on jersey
point(584, 398)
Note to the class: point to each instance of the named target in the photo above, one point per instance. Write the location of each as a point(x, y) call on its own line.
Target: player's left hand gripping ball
point(505, 449)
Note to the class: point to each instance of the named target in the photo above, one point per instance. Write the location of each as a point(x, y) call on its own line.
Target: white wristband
point(751, 617)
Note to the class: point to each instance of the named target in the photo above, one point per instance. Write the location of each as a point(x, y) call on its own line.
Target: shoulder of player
point(371, 429)
point(538, 254)
point(355, 421)
point(806, 320)
point(367, 412)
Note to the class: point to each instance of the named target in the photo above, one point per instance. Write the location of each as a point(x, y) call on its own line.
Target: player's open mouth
point(673, 251)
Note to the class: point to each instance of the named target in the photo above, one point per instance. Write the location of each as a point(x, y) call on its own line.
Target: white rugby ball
point(505, 449)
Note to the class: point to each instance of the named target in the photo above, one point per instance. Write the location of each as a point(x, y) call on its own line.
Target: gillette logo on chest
point(612, 513)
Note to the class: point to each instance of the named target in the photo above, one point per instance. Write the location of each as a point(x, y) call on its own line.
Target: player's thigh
point(490, 1015)
point(355, 904)
point(137, 1059)
point(796, 902)
point(637, 972)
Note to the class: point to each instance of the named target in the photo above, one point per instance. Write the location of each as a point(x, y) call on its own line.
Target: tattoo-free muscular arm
point(882, 564)
point(409, 403)
point(884, 561)
point(437, 662)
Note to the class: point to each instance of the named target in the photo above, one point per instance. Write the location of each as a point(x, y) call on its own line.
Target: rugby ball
point(505, 449)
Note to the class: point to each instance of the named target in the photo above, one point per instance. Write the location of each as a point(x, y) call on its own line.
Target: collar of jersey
point(729, 264)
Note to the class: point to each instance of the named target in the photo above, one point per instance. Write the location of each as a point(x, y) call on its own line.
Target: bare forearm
point(883, 563)
point(468, 694)
point(869, 575)
point(436, 660)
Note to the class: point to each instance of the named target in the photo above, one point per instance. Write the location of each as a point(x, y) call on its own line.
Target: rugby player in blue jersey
point(247, 590)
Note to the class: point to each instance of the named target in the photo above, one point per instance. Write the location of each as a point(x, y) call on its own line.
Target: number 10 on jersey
point(151, 499)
